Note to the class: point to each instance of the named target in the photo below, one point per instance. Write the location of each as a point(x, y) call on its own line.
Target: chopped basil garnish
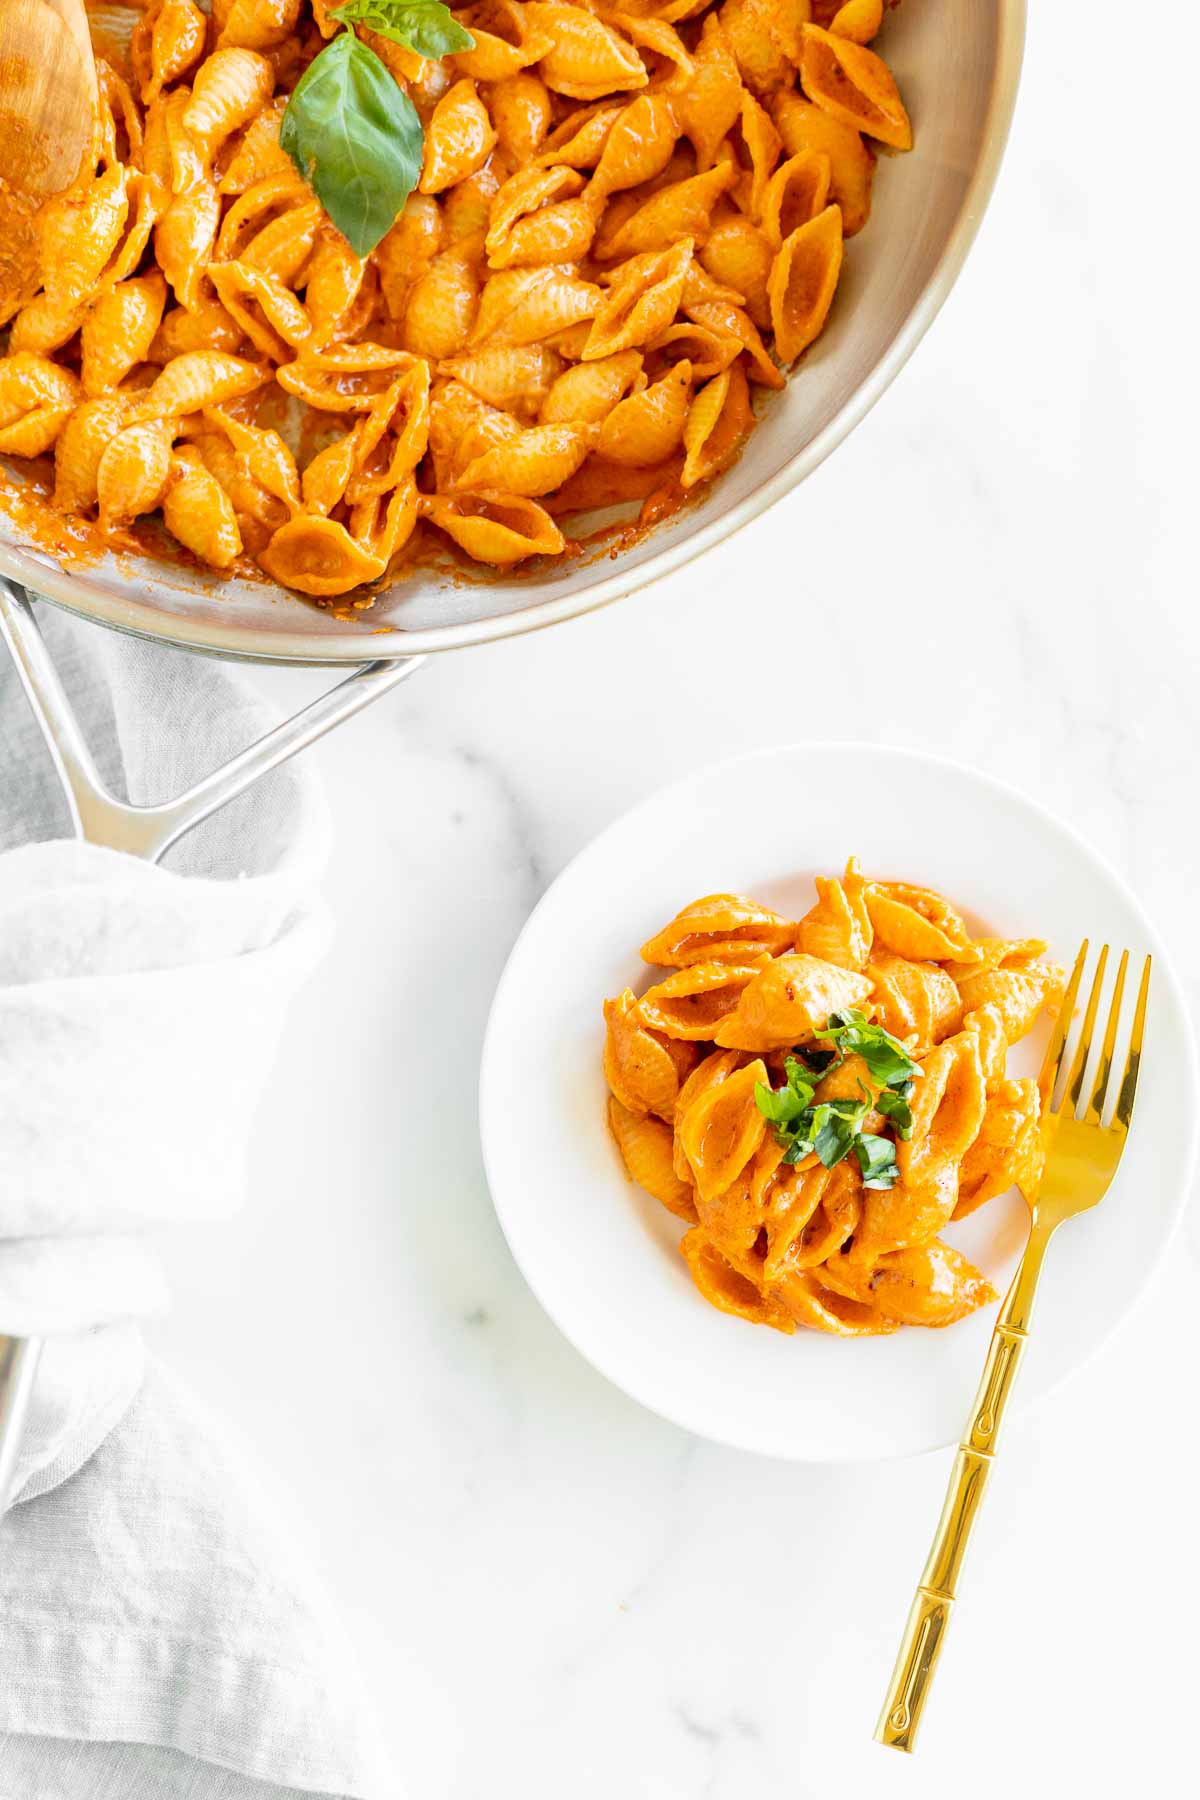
point(834, 1127)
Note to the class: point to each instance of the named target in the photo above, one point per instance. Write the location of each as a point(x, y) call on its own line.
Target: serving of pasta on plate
point(339, 287)
point(817, 1099)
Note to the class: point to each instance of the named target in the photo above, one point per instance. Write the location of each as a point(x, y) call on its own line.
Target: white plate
point(601, 1256)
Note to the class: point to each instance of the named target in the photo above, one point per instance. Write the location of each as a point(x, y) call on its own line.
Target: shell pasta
point(818, 1099)
point(626, 223)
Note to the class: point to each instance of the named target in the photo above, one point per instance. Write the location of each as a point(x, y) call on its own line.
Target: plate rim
point(1025, 1401)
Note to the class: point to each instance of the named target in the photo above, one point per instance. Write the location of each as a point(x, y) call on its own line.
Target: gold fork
point(1082, 1154)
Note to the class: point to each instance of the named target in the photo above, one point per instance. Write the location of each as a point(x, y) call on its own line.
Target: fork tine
point(1084, 1048)
point(1104, 1067)
point(1133, 1061)
point(1052, 1061)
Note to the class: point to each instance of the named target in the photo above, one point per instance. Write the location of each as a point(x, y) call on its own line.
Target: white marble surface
point(556, 1594)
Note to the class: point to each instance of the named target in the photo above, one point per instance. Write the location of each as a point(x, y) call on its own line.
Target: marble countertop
point(554, 1593)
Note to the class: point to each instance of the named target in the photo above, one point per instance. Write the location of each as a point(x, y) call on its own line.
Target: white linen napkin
point(140, 1008)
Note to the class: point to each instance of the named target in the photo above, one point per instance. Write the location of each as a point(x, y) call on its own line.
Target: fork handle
point(929, 1614)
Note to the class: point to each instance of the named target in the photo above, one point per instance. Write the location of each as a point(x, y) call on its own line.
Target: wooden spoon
point(47, 113)
point(47, 94)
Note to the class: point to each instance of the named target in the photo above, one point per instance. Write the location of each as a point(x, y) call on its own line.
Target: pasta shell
point(916, 1001)
point(725, 1288)
point(726, 319)
point(546, 233)
point(739, 255)
point(682, 209)
point(762, 146)
point(918, 924)
point(807, 1300)
point(442, 305)
point(641, 302)
point(177, 36)
point(803, 126)
point(37, 398)
point(708, 353)
point(718, 928)
point(722, 1129)
point(854, 85)
point(198, 512)
point(1006, 1149)
point(803, 279)
point(717, 1066)
point(520, 112)
point(230, 88)
point(267, 456)
point(797, 192)
point(198, 379)
point(79, 232)
point(692, 1001)
point(749, 26)
point(636, 145)
point(85, 436)
point(458, 138)
point(928, 1284)
point(589, 391)
point(258, 24)
point(526, 306)
point(1018, 994)
point(495, 528)
point(258, 153)
point(580, 139)
point(717, 425)
point(858, 19)
point(838, 928)
point(645, 1146)
point(318, 556)
point(710, 102)
point(267, 311)
point(184, 240)
point(532, 463)
point(516, 377)
point(787, 1002)
point(587, 59)
point(208, 327)
point(343, 377)
point(648, 426)
point(133, 472)
point(828, 1206)
point(118, 331)
point(638, 1065)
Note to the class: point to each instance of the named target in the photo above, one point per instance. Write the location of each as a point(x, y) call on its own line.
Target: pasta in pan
point(817, 1099)
point(626, 222)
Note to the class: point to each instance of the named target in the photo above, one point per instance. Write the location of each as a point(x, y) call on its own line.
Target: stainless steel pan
point(958, 63)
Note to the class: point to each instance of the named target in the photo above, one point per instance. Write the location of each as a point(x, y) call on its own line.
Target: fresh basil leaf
point(356, 139)
point(424, 26)
point(781, 1105)
point(886, 1058)
point(797, 1150)
point(877, 1160)
point(834, 1135)
point(848, 1109)
point(896, 1108)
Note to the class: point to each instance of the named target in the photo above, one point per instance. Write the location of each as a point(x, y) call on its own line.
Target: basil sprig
point(351, 130)
point(424, 26)
point(833, 1128)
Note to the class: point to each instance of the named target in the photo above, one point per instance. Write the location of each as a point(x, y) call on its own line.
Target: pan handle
point(98, 817)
